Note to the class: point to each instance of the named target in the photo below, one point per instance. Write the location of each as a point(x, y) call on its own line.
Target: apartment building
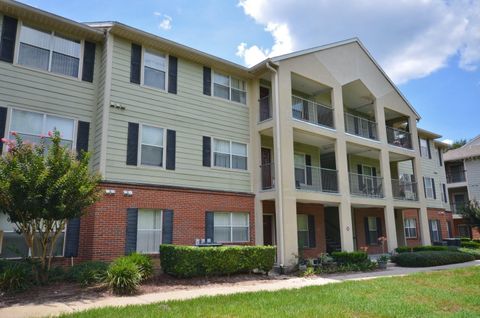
point(462, 166)
point(301, 151)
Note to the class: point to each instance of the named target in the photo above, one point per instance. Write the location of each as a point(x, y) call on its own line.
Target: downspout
point(278, 168)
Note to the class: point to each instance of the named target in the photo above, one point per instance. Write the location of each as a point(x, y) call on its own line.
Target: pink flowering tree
point(41, 188)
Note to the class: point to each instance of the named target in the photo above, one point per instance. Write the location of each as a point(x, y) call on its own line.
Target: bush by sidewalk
point(406, 249)
point(431, 258)
point(191, 261)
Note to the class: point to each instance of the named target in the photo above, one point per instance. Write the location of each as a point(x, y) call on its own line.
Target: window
point(300, 170)
point(229, 154)
point(429, 188)
point(410, 228)
point(49, 52)
point(149, 231)
point(151, 149)
point(154, 69)
point(230, 227)
point(13, 244)
point(369, 179)
point(434, 230)
point(230, 88)
point(33, 126)
point(302, 231)
point(424, 148)
point(372, 230)
point(449, 229)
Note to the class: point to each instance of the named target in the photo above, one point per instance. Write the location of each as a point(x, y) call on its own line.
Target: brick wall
point(413, 214)
point(359, 215)
point(102, 233)
point(433, 214)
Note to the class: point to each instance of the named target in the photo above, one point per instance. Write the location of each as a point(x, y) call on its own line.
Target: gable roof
point(468, 151)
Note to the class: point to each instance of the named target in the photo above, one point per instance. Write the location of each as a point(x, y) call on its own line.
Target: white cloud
point(448, 141)
point(166, 23)
point(410, 38)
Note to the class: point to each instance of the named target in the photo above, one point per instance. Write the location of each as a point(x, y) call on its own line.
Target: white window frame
point(410, 224)
point(304, 165)
point(10, 118)
point(429, 188)
point(232, 227)
point(370, 230)
point(307, 230)
point(212, 156)
point(157, 251)
point(52, 34)
point(212, 87)
point(139, 150)
point(424, 149)
point(142, 69)
point(437, 229)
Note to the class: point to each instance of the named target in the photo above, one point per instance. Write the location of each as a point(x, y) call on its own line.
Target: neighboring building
point(462, 166)
point(433, 181)
point(301, 151)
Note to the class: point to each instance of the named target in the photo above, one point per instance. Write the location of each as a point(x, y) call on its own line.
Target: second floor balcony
point(312, 112)
point(312, 178)
point(404, 190)
point(366, 185)
point(456, 176)
point(399, 137)
point(360, 126)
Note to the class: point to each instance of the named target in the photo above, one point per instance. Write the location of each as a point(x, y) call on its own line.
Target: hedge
point(431, 258)
point(349, 257)
point(406, 249)
point(191, 261)
point(472, 251)
point(470, 244)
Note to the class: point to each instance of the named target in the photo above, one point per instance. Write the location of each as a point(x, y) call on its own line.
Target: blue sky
point(431, 49)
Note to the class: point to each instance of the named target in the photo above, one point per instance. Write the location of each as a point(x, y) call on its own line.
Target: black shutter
point(444, 193)
point(7, 39)
point(132, 144)
point(83, 130)
point(72, 237)
point(440, 161)
point(439, 230)
point(3, 123)
point(305, 110)
point(167, 227)
point(171, 145)
point(131, 231)
point(135, 63)
point(429, 151)
point(420, 146)
point(207, 81)
point(367, 231)
point(424, 187)
point(88, 62)
point(308, 163)
point(209, 226)
point(172, 74)
point(433, 188)
point(311, 231)
point(207, 151)
point(379, 227)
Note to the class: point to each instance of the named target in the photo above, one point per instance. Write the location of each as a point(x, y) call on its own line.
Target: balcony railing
point(265, 108)
point(404, 190)
point(367, 186)
point(457, 208)
point(458, 176)
point(268, 176)
point(316, 179)
point(360, 126)
point(399, 137)
point(312, 112)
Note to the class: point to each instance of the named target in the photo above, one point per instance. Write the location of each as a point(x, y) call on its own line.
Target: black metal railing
point(404, 190)
point(312, 112)
point(399, 137)
point(316, 179)
point(265, 108)
point(360, 126)
point(367, 186)
point(268, 176)
point(458, 176)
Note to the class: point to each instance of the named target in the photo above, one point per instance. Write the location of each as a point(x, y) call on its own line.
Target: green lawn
point(439, 294)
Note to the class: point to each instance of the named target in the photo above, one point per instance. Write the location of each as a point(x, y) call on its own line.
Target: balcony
point(265, 107)
point(457, 208)
point(360, 126)
point(312, 112)
point(454, 177)
point(268, 176)
point(317, 179)
point(399, 137)
point(365, 185)
point(404, 190)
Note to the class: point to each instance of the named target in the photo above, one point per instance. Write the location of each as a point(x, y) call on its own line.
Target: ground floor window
point(149, 230)
point(372, 230)
point(410, 228)
point(302, 231)
point(230, 227)
point(435, 230)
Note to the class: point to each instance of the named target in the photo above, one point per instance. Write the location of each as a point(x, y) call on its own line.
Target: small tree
point(471, 211)
point(458, 143)
point(41, 187)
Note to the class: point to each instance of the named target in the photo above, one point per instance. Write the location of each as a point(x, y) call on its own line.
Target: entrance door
point(268, 229)
point(265, 103)
point(267, 169)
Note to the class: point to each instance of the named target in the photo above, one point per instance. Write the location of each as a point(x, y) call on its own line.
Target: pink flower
point(5, 140)
point(50, 134)
point(14, 133)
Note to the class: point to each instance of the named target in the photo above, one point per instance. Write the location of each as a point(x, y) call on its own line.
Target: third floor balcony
point(456, 176)
point(360, 126)
point(312, 112)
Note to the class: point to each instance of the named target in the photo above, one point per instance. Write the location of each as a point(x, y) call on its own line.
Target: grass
point(453, 293)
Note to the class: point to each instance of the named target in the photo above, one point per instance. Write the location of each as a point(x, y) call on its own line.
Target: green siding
point(190, 113)
point(313, 151)
point(353, 161)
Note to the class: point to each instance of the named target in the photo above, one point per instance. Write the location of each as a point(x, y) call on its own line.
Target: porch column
point(389, 212)
point(424, 228)
point(390, 227)
point(258, 222)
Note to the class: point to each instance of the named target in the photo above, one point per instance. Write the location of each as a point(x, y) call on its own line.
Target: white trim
point(231, 226)
point(229, 99)
point(153, 230)
point(142, 69)
point(405, 228)
point(212, 155)
point(164, 147)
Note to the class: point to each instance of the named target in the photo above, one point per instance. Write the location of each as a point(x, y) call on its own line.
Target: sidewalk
point(56, 308)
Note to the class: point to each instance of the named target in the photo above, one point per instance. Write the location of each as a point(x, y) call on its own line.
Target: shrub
point(365, 266)
point(472, 251)
point(406, 249)
point(470, 244)
point(15, 276)
point(123, 276)
point(431, 258)
point(144, 263)
point(56, 274)
point(191, 261)
point(349, 257)
point(87, 273)
point(465, 239)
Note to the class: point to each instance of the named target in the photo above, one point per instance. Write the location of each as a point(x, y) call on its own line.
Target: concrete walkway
point(56, 308)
